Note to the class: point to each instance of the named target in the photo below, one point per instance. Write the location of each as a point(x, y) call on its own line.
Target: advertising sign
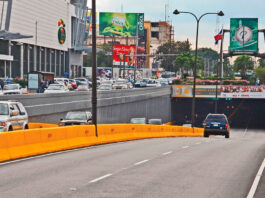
point(121, 24)
point(244, 34)
point(118, 55)
point(224, 91)
point(202, 91)
point(33, 81)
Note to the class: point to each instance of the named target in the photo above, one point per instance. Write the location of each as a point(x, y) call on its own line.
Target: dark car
point(216, 124)
point(155, 121)
point(76, 118)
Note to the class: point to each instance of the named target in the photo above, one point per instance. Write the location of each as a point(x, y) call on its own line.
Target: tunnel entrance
point(242, 113)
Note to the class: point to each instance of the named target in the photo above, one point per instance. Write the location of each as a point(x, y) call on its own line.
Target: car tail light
point(3, 124)
point(204, 124)
point(226, 125)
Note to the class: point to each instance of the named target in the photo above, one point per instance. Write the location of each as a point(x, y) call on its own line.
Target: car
point(1, 91)
point(105, 87)
point(107, 82)
point(155, 121)
point(56, 88)
point(76, 118)
point(216, 124)
point(83, 87)
point(73, 83)
point(13, 116)
point(122, 84)
point(138, 121)
point(153, 83)
point(12, 89)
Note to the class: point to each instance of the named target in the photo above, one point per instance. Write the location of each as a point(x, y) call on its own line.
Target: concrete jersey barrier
point(40, 140)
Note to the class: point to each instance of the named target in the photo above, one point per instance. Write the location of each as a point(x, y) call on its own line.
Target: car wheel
point(26, 127)
point(10, 128)
point(227, 135)
point(206, 134)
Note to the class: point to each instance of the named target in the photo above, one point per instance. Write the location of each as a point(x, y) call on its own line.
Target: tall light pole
point(196, 56)
point(94, 66)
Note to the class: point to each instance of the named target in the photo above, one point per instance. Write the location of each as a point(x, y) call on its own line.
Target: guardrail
point(25, 143)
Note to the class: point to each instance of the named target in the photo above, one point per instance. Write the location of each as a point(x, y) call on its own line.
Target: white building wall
point(47, 13)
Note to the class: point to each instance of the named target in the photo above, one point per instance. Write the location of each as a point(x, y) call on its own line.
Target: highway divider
point(46, 138)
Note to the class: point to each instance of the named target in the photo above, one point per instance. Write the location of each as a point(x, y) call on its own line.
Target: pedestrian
point(2, 83)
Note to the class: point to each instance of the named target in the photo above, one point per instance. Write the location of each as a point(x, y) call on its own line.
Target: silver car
point(13, 116)
point(76, 118)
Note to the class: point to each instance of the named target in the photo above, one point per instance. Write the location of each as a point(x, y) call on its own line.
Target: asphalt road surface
point(212, 167)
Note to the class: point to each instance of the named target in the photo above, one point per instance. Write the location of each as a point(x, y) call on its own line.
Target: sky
point(185, 24)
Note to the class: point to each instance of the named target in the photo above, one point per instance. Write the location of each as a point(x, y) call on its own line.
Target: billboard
point(224, 91)
point(121, 24)
point(118, 55)
point(244, 34)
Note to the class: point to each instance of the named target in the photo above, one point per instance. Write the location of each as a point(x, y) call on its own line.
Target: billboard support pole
point(136, 50)
point(124, 56)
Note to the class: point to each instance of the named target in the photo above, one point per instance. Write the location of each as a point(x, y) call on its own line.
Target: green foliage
point(208, 53)
point(260, 73)
point(23, 83)
point(261, 63)
point(173, 47)
point(242, 64)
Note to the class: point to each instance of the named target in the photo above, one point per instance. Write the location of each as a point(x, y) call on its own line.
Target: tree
point(167, 62)
point(260, 73)
point(242, 64)
point(208, 53)
point(103, 60)
point(261, 63)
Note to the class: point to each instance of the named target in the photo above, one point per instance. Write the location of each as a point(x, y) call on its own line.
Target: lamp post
point(176, 12)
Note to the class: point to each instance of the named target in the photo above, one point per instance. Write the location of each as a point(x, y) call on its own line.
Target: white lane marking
point(167, 153)
point(256, 181)
point(100, 178)
point(198, 143)
point(141, 162)
point(184, 147)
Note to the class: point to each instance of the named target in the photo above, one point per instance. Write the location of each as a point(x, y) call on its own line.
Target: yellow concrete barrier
point(45, 138)
point(35, 125)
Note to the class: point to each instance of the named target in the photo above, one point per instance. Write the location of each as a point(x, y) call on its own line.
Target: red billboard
point(121, 52)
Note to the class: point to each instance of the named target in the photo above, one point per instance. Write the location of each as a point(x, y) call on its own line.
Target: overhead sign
point(244, 34)
point(224, 91)
point(121, 24)
point(124, 53)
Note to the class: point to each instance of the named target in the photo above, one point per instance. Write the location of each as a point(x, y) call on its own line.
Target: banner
point(224, 91)
point(244, 34)
point(119, 52)
point(121, 24)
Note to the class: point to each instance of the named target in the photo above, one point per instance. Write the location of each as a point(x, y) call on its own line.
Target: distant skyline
point(185, 24)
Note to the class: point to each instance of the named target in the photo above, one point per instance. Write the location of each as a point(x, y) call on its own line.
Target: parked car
point(83, 87)
point(138, 121)
point(56, 88)
point(76, 118)
point(155, 121)
point(216, 124)
point(1, 91)
point(105, 87)
point(73, 83)
point(12, 89)
point(13, 116)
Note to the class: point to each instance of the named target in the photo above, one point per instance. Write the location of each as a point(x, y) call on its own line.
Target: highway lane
point(169, 167)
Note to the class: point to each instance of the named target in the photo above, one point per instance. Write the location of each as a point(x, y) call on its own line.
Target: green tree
point(261, 63)
point(208, 53)
point(167, 62)
point(242, 64)
point(260, 73)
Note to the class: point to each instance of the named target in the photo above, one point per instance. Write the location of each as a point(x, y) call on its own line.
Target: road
point(171, 167)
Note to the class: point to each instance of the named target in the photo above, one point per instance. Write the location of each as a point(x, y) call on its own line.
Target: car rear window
point(216, 118)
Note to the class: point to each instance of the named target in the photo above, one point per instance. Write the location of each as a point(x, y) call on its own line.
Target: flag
point(218, 37)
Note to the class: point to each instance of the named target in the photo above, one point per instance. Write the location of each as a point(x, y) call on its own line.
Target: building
point(158, 33)
point(44, 35)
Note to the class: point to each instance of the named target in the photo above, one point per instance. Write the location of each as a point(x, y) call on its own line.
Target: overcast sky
point(184, 24)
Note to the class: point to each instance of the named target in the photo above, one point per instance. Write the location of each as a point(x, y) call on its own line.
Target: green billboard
point(121, 24)
point(244, 34)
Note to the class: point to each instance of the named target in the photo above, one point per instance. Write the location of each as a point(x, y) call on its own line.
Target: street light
point(196, 55)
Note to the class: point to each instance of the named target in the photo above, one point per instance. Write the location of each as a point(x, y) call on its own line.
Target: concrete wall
point(117, 106)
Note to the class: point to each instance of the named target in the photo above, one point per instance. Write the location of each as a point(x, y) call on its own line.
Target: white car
point(13, 116)
point(122, 84)
point(1, 91)
point(12, 89)
point(56, 88)
point(153, 83)
point(105, 87)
